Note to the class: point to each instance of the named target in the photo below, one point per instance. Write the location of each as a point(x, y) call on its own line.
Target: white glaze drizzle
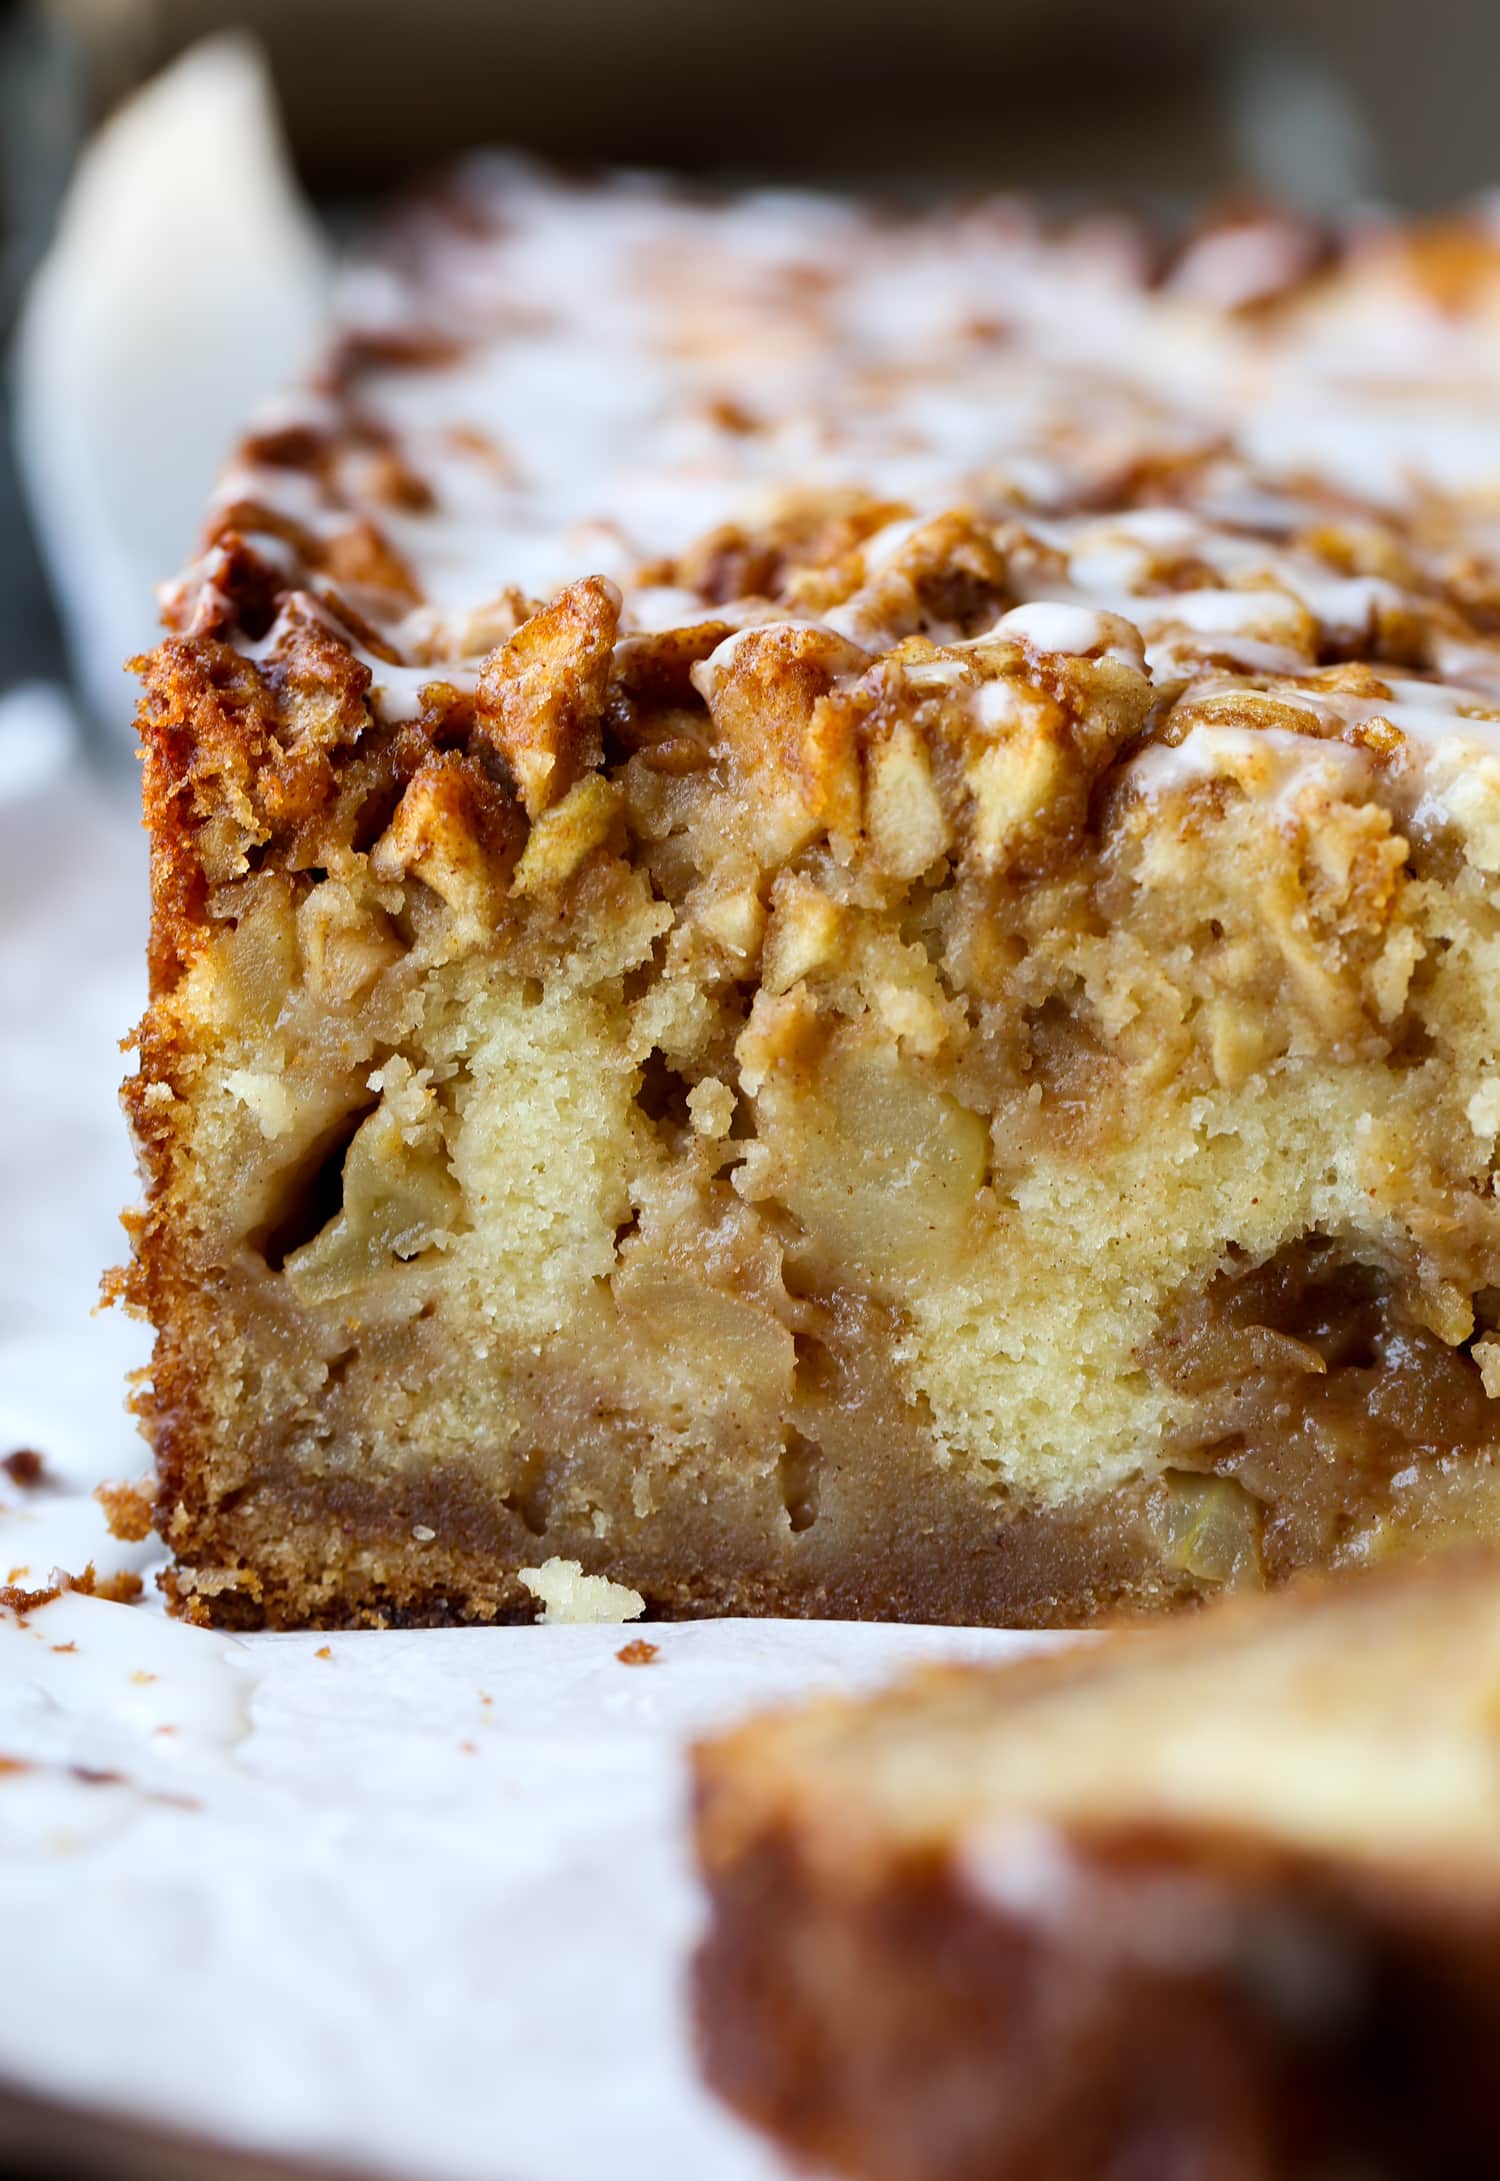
point(1273, 767)
point(633, 369)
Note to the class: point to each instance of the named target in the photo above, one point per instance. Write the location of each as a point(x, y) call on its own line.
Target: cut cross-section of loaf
point(1220, 1902)
point(827, 923)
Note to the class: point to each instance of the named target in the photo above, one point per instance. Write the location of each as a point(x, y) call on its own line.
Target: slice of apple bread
point(1218, 1900)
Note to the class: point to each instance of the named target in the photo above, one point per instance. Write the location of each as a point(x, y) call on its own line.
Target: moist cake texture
point(826, 923)
point(1221, 1900)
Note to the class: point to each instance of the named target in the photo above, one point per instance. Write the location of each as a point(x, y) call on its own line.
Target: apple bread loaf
point(827, 920)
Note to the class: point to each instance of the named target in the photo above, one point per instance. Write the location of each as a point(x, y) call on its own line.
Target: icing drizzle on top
point(1261, 468)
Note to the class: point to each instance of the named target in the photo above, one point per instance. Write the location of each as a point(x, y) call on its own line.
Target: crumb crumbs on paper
point(141, 1677)
point(94, 1776)
point(60, 1647)
point(568, 1595)
point(638, 1653)
point(470, 1749)
point(122, 1588)
point(485, 1697)
point(22, 1601)
point(26, 1468)
point(324, 1650)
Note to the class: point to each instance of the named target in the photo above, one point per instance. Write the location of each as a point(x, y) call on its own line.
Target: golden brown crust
point(542, 694)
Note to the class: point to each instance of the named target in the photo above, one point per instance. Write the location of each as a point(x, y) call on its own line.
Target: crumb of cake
point(99, 1776)
point(711, 1104)
point(324, 1650)
point(122, 1588)
point(566, 1594)
point(638, 1653)
point(64, 1647)
point(26, 1468)
point(127, 1510)
point(22, 1601)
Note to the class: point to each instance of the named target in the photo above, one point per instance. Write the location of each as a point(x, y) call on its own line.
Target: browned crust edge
point(963, 1564)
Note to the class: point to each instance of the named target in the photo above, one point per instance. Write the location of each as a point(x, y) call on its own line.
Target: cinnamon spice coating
point(820, 942)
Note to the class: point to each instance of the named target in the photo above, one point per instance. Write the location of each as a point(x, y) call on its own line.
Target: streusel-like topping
point(1269, 453)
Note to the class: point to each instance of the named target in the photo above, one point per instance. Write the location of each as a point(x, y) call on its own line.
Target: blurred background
point(1324, 103)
